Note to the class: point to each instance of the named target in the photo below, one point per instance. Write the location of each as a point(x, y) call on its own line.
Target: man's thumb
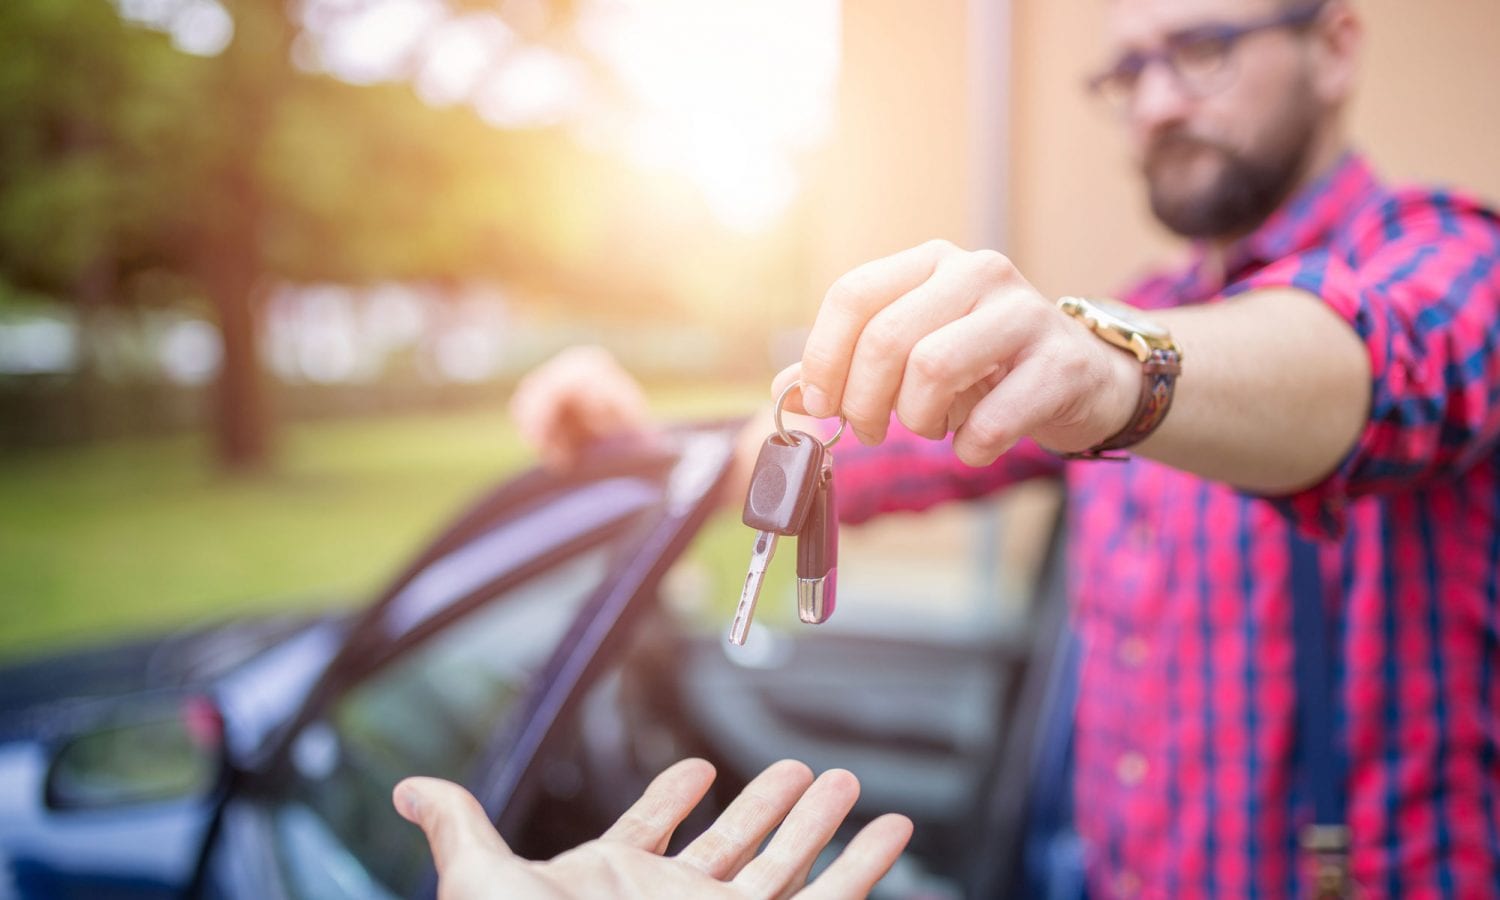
point(454, 822)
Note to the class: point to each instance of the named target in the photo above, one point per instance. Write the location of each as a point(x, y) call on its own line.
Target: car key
point(818, 553)
point(783, 487)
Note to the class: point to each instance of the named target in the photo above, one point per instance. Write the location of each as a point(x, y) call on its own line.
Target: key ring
point(787, 436)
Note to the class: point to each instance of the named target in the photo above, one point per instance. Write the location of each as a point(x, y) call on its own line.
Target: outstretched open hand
point(474, 862)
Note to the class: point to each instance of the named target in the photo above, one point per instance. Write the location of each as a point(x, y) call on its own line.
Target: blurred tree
point(123, 156)
point(84, 199)
point(132, 172)
point(309, 178)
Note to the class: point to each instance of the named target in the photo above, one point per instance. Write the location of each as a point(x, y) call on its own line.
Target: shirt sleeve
point(1421, 288)
point(908, 472)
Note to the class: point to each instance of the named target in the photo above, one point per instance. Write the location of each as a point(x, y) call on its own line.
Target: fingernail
point(407, 803)
point(816, 402)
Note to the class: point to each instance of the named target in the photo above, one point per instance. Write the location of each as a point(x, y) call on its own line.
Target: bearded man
point(1323, 374)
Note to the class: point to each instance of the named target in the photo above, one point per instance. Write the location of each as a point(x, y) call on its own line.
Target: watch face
point(1111, 313)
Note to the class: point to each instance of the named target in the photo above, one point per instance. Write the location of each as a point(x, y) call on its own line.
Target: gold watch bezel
point(1120, 324)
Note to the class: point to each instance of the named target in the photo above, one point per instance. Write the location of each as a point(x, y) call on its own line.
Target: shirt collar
point(1305, 221)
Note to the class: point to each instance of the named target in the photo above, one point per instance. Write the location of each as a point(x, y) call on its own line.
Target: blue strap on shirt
point(1326, 839)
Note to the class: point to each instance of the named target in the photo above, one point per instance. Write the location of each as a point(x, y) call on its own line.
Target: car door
point(943, 724)
point(461, 669)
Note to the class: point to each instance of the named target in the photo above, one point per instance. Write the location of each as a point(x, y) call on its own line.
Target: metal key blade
point(760, 559)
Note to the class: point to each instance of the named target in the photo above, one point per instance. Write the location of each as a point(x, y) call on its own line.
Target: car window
point(430, 712)
point(513, 544)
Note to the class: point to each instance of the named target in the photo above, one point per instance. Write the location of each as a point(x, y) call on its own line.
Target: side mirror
point(155, 755)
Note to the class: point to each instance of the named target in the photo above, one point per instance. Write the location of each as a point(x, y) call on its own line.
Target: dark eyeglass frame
point(1128, 69)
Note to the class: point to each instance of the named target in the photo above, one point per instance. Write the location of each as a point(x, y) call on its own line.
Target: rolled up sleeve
point(1420, 285)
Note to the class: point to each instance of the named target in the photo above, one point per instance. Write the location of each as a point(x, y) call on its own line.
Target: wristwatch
point(1161, 363)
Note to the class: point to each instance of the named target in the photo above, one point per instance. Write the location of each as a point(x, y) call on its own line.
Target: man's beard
point(1243, 194)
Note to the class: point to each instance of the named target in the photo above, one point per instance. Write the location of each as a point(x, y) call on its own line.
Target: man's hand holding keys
point(955, 341)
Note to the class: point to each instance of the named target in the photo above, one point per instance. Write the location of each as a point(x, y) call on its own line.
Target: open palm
point(627, 861)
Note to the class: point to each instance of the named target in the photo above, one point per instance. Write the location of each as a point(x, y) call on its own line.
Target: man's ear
point(1337, 45)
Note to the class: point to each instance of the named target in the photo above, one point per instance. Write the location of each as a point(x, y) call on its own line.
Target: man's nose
point(1159, 100)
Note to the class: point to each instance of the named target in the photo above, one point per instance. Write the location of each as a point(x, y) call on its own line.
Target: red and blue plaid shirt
point(1186, 781)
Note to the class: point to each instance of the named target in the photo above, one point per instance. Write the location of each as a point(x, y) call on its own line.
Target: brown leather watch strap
point(1159, 378)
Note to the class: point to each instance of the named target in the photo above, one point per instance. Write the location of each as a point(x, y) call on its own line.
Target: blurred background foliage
point(137, 175)
point(227, 226)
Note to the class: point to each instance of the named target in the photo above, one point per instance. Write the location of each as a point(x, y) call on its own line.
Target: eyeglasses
point(1199, 58)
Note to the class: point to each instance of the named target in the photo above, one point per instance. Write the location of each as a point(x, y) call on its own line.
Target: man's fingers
point(610, 399)
point(782, 381)
point(454, 822)
point(545, 408)
point(951, 360)
point(532, 410)
point(881, 354)
point(965, 402)
point(650, 821)
point(847, 307)
point(784, 864)
point(1036, 396)
point(723, 850)
point(864, 862)
point(575, 398)
point(794, 413)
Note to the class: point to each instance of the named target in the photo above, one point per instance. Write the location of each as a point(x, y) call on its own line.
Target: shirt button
point(1127, 884)
point(1132, 651)
point(1131, 768)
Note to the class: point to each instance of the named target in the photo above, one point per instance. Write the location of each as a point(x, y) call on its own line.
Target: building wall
point(1427, 110)
point(900, 169)
point(896, 171)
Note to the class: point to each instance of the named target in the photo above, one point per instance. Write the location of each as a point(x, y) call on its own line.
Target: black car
point(529, 654)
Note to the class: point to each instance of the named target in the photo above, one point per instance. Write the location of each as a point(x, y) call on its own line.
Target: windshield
point(429, 713)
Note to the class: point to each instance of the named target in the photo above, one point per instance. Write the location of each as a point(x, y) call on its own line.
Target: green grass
point(100, 541)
